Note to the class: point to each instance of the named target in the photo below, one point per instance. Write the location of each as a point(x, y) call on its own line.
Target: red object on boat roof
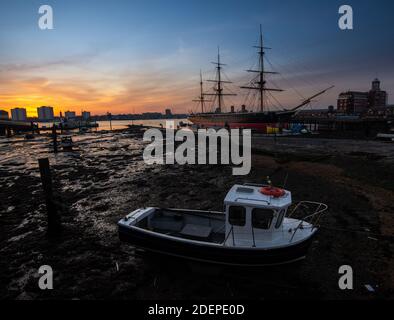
point(273, 192)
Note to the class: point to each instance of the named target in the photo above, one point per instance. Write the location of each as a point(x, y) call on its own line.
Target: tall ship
point(256, 120)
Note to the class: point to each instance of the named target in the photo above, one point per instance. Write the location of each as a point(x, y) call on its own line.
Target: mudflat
point(106, 178)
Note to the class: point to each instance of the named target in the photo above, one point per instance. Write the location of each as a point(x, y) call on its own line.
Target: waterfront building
point(85, 115)
point(19, 114)
point(70, 115)
point(356, 102)
point(3, 115)
point(45, 113)
point(382, 112)
point(353, 102)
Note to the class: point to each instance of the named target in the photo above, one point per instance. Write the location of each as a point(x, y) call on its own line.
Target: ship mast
point(219, 84)
point(260, 85)
point(201, 98)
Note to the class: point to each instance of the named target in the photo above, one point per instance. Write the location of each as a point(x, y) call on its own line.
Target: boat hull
point(216, 254)
point(258, 121)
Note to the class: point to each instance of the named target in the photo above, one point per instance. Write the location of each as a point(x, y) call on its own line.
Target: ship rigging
point(260, 83)
point(218, 89)
point(254, 120)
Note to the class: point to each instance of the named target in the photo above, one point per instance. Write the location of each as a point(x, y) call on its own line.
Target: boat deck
point(187, 225)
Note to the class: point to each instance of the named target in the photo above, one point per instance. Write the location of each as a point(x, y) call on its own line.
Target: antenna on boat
point(260, 84)
point(219, 84)
point(285, 182)
point(201, 98)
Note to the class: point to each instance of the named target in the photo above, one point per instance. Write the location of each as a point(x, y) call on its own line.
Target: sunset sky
point(146, 55)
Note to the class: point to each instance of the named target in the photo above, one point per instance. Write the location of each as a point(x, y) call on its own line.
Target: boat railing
point(255, 200)
point(255, 185)
point(254, 239)
point(228, 235)
point(303, 210)
point(132, 218)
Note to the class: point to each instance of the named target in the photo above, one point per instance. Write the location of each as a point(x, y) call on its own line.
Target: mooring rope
point(358, 231)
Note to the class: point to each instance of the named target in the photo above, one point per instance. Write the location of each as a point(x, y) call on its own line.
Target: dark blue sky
point(147, 54)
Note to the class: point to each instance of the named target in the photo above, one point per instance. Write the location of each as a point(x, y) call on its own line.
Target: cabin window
point(262, 218)
point(237, 216)
point(280, 219)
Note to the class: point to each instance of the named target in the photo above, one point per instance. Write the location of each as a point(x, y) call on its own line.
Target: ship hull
point(258, 121)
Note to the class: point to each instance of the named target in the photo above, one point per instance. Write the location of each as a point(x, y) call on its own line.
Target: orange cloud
point(125, 92)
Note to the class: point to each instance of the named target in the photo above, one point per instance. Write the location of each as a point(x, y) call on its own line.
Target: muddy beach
point(105, 178)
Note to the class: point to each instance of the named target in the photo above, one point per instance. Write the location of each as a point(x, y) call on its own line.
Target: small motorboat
point(259, 226)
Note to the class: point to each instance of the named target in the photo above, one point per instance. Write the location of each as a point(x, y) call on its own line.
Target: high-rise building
point(85, 115)
point(168, 112)
point(70, 114)
point(45, 113)
point(3, 115)
point(19, 114)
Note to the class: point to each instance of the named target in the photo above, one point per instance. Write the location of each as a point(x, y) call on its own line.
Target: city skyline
point(135, 56)
point(46, 113)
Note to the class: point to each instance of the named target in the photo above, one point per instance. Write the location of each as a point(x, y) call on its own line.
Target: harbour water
point(123, 124)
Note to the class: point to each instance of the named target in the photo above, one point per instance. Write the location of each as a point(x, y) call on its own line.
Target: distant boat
point(258, 121)
point(77, 124)
point(257, 228)
point(183, 124)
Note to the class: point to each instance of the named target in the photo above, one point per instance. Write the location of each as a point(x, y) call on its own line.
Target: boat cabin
point(253, 218)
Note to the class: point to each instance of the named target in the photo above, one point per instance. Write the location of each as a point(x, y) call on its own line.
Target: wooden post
point(54, 136)
point(54, 225)
point(109, 116)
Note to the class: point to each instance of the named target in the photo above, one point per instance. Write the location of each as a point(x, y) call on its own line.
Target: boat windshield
point(262, 218)
point(280, 219)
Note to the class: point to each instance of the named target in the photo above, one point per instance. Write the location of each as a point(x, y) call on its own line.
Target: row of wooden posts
point(53, 216)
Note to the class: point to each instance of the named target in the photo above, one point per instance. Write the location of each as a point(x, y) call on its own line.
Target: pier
point(10, 127)
point(7, 127)
point(345, 126)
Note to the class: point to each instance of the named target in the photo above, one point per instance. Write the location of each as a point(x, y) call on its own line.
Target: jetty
point(7, 127)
